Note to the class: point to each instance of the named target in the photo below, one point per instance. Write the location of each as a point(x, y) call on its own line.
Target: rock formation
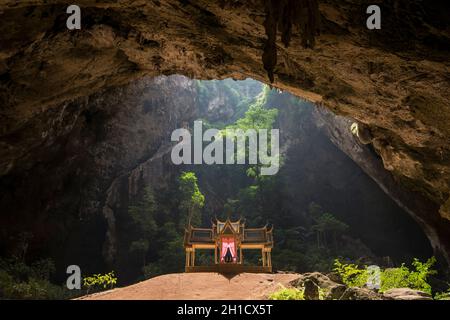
point(336, 291)
point(393, 82)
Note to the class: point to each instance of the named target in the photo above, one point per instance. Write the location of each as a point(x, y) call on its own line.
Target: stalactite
point(283, 15)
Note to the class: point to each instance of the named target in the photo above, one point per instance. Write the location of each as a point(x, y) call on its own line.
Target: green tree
point(171, 254)
point(328, 227)
point(143, 217)
point(143, 213)
point(192, 200)
point(140, 248)
point(256, 117)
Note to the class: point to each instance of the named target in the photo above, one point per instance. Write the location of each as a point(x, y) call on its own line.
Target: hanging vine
point(283, 15)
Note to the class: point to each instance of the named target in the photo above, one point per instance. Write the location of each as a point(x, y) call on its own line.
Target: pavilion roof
point(237, 228)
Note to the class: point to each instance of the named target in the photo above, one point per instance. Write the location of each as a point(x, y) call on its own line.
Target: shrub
point(442, 295)
point(323, 293)
point(295, 294)
point(288, 294)
point(402, 277)
point(43, 268)
point(21, 281)
point(100, 281)
point(151, 270)
point(38, 289)
point(394, 278)
point(351, 274)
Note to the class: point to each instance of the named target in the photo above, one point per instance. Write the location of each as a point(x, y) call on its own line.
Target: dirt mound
point(201, 286)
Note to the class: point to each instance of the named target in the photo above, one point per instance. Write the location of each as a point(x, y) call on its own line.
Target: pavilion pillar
point(263, 253)
point(240, 255)
point(193, 257)
point(215, 254)
point(187, 259)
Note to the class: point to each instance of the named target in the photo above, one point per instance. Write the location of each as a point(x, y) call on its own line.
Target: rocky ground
point(201, 286)
point(246, 286)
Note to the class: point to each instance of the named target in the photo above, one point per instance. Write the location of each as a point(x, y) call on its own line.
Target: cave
point(86, 118)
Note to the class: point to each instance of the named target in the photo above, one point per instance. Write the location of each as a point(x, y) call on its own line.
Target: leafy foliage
point(295, 294)
point(326, 226)
point(442, 295)
point(144, 225)
point(192, 200)
point(288, 294)
point(155, 226)
point(171, 257)
point(402, 277)
point(100, 281)
point(143, 213)
point(257, 117)
point(21, 281)
point(351, 274)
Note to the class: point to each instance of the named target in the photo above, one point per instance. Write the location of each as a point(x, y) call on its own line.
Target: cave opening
point(322, 204)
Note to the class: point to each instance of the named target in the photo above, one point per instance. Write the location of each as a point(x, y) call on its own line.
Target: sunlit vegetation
point(353, 275)
point(288, 294)
point(294, 294)
point(192, 200)
point(402, 277)
point(442, 295)
point(99, 282)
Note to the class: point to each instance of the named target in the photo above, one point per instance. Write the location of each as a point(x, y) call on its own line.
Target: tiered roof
point(206, 236)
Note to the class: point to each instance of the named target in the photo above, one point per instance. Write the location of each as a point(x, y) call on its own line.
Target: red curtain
point(228, 243)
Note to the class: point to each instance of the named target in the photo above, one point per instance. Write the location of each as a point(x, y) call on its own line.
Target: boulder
point(407, 294)
point(333, 276)
point(331, 289)
point(311, 290)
